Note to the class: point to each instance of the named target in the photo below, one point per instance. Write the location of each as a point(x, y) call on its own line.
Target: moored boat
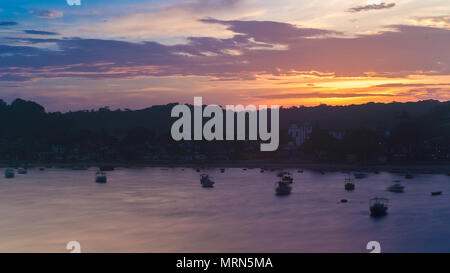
point(9, 173)
point(206, 182)
point(378, 206)
point(396, 188)
point(100, 177)
point(283, 188)
point(21, 171)
point(349, 185)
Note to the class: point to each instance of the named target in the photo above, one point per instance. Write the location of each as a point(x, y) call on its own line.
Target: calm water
point(155, 210)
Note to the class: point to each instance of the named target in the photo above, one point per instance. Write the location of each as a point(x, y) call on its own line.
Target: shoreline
point(419, 168)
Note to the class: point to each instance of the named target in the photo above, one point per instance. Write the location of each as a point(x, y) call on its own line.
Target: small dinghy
point(222, 170)
point(205, 181)
point(9, 173)
point(283, 188)
point(436, 193)
point(378, 206)
point(22, 171)
point(396, 188)
point(100, 177)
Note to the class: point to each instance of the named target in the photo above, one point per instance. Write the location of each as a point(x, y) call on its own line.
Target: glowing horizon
point(135, 54)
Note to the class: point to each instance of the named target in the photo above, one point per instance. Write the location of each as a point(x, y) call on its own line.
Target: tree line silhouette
point(373, 132)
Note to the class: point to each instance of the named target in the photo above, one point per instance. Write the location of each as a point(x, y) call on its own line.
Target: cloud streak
point(39, 32)
point(322, 95)
point(442, 21)
point(372, 7)
point(48, 14)
point(8, 24)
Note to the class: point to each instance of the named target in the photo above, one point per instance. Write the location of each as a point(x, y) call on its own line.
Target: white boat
point(378, 206)
point(21, 171)
point(100, 177)
point(9, 173)
point(283, 188)
point(396, 188)
point(205, 181)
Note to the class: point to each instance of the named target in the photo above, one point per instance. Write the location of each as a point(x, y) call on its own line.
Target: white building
point(300, 133)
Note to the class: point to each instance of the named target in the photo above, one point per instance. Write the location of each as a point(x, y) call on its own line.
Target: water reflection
point(158, 210)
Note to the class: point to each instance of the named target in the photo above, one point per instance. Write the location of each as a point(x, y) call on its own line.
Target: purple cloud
point(372, 7)
point(271, 32)
point(407, 50)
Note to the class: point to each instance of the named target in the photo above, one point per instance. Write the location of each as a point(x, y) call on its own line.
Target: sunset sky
point(138, 53)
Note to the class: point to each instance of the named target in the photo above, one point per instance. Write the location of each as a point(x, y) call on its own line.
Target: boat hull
point(101, 180)
point(284, 190)
point(378, 210)
point(349, 187)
